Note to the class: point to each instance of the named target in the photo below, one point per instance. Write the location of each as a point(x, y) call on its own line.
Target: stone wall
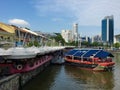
point(10, 83)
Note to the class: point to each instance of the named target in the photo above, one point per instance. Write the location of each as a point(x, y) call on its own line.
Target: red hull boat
point(90, 59)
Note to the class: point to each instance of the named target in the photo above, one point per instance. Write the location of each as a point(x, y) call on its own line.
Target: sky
point(55, 15)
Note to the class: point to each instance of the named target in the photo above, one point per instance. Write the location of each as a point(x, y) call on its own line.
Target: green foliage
point(58, 38)
point(95, 44)
point(35, 43)
point(85, 43)
point(116, 45)
point(30, 44)
point(73, 43)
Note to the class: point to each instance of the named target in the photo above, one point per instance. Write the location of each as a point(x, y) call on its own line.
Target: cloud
point(97, 10)
point(20, 22)
point(85, 12)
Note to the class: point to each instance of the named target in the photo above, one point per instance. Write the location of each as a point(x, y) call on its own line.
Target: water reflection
point(91, 80)
point(117, 71)
point(43, 81)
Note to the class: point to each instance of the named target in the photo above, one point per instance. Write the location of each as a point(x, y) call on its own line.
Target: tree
point(84, 43)
point(116, 45)
point(35, 43)
point(58, 38)
point(95, 44)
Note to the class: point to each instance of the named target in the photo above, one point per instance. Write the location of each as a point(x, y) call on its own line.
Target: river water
point(65, 77)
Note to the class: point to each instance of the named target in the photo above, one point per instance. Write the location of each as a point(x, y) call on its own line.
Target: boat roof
point(86, 53)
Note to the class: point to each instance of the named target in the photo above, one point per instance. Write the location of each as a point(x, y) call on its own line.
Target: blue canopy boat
point(91, 59)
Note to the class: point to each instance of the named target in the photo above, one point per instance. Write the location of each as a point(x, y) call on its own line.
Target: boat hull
point(35, 65)
point(92, 67)
point(21, 66)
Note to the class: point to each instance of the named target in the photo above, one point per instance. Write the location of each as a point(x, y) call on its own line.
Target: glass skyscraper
point(108, 30)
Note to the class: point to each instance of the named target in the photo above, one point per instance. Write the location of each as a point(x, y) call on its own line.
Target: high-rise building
point(84, 39)
point(67, 35)
point(71, 35)
point(96, 38)
point(108, 30)
point(75, 32)
point(75, 28)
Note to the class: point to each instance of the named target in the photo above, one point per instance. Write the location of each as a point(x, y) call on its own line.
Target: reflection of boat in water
point(90, 59)
point(91, 80)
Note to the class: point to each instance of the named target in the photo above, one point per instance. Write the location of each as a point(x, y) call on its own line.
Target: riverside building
point(108, 30)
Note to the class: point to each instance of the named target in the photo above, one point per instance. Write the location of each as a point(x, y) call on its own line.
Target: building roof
point(7, 28)
point(12, 28)
point(29, 31)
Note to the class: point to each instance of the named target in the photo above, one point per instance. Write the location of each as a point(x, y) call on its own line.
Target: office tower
point(75, 28)
point(75, 32)
point(108, 30)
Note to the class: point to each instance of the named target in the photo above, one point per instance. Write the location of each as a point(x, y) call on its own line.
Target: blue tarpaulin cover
point(86, 53)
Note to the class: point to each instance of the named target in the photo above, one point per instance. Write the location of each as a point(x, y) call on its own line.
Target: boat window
point(85, 59)
point(36, 62)
point(2, 61)
point(69, 57)
point(9, 61)
point(31, 64)
point(90, 59)
point(1, 58)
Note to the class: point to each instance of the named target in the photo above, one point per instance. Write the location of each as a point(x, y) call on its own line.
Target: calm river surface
point(64, 77)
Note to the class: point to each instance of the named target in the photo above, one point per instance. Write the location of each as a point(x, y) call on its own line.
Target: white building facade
point(67, 35)
point(75, 32)
point(96, 38)
point(117, 38)
point(71, 35)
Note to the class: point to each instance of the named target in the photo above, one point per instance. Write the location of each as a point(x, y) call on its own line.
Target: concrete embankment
point(10, 82)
